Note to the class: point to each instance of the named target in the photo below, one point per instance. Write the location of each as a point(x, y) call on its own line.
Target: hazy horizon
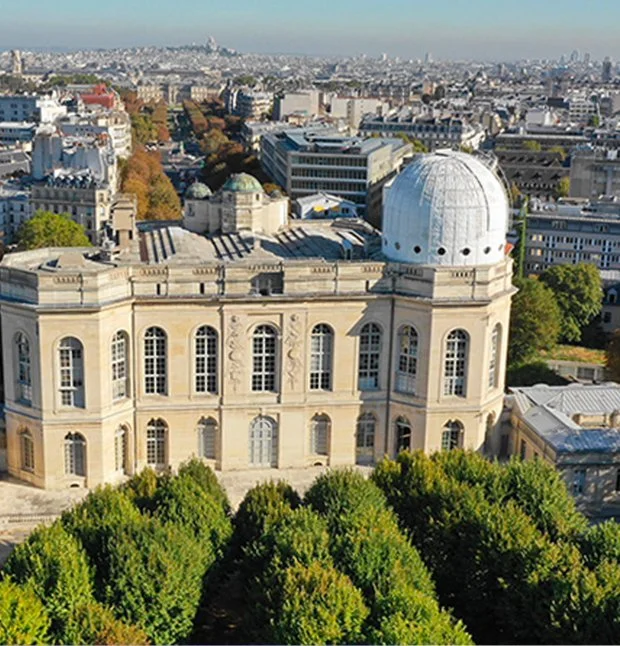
point(480, 29)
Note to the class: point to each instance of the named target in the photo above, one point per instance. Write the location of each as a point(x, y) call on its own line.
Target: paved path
point(23, 507)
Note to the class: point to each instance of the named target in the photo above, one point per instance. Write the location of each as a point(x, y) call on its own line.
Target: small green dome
point(197, 191)
point(242, 183)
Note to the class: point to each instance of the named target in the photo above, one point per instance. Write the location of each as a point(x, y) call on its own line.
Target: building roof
point(550, 411)
point(198, 191)
point(326, 240)
point(446, 208)
point(242, 183)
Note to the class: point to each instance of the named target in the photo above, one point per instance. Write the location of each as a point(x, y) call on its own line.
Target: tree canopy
point(535, 320)
point(578, 291)
point(47, 229)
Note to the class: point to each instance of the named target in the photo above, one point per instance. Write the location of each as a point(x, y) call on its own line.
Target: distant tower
point(17, 65)
point(606, 74)
point(428, 58)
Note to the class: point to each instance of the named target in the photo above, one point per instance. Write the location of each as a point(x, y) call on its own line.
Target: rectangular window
point(618, 480)
point(523, 450)
point(579, 481)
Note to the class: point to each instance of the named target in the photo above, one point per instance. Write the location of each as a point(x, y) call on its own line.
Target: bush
point(321, 606)
point(261, 506)
point(141, 488)
point(96, 624)
point(96, 521)
point(181, 501)
point(153, 578)
point(23, 619)
point(343, 491)
point(490, 561)
point(207, 480)
point(55, 565)
point(600, 543)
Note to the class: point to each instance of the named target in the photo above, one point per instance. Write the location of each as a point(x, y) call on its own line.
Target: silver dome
point(445, 208)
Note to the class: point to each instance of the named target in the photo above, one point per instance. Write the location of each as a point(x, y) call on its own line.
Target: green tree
point(534, 320)
point(47, 229)
point(531, 373)
point(563, 187)
point(532, 145)
point(320, 606)
point(559, 150)
point(578, 292)
point(54, 563)
point(613, 356)
point(515, 195)
point(23, 619)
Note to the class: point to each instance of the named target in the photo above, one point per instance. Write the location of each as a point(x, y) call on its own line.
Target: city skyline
point(479, 30)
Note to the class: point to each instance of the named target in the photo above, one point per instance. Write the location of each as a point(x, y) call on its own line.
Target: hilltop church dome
point(446, 208)
point(242, 183)
point(198, 191)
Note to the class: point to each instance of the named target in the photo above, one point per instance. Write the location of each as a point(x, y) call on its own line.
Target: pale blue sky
point(497, 29)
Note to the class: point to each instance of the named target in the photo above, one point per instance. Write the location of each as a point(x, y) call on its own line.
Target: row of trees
point(126, 566)
point(507, 549)
point(218, 135)
point(143, 175)
point(160, 560)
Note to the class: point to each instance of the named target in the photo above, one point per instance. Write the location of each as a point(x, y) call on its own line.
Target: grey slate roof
point(548, 410)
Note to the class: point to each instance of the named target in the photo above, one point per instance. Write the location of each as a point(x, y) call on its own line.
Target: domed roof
point(445, 208)
point(197, 191)
point(242, 183)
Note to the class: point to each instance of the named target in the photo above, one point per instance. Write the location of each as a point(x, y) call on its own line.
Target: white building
point(113, 123)
point(303, 102)
point(16, 132)
point(30, 108)
point(240, 205)
point(352, 109)
point(323, 205)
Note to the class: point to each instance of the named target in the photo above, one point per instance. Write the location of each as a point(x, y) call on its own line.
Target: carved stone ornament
point(292, 344)
point(235, 355)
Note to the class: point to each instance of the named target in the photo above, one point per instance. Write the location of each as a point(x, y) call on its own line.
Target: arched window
point(263, 442)
point(24, 373)
point(321, 352)
point(120, 385)
point(365, 438)
point(403, 435)
point(455, 363)
point(75, 454)
point(206, 360)
point(320, 427)
point(452, 436)
point(264, 359)
point(207, 436)
point(155, 368)
point(120, 450)
point(612, 296)
point(494, 350)
point(26, 450)
point(370, 351)
point(407, 359)
point(71, 359)
point(156, 436)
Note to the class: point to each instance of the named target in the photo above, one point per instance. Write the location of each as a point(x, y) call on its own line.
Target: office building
point(305, 162)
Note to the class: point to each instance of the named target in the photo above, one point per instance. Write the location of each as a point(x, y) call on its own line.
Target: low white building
point(31, 108)
point(114, 124)
point(241, 204)
point(324, 205)
point(304, 102)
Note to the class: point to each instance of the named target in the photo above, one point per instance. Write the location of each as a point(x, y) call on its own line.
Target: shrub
point(261, 506)
point(55, 565)
point(601, 542)
point(207, 480)
point(141, 488)
point(341, 492)
point(23, 619)
point(321, 606)
point(96, 624)
point(181, 501)
point(153, 578)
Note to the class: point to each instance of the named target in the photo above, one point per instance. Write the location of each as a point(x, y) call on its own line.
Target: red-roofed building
point(100, 95)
